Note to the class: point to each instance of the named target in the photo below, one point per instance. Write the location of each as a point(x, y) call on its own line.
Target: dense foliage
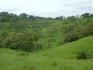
point(31, 33)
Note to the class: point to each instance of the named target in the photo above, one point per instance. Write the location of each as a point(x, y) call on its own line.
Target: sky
point(47, 8)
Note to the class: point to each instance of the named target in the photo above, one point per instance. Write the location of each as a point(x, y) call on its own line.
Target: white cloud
point(47, 8)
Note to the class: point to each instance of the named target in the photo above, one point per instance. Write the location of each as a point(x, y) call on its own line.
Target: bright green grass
point(59, 58)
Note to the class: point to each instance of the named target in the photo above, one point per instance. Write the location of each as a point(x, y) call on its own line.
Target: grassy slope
point(59, 58)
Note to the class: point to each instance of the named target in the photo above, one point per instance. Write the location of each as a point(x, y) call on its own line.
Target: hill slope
point(59, 58)
point(72, 49)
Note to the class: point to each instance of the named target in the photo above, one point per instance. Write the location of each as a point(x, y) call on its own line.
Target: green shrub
point(23, 54)
point(21, 41)
point(82, 55)
point(76, 32)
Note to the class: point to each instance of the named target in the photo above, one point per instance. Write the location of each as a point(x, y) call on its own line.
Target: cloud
point(47, 8)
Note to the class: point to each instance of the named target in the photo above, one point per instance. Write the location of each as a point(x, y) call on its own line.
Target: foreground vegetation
point(58, 58)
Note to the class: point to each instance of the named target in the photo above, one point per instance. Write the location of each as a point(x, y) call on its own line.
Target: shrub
point(55, 64)
point(23, 54)
point(82, 55)
point(69, 37)
point(89, 29)
point(21, 41)
point(73, 33)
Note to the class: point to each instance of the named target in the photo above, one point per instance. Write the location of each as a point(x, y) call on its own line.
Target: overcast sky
point(47, 8)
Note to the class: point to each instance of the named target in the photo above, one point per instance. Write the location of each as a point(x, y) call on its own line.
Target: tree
point(23, 15)
point(86, 15)
point(31, 17)
point(4, 17)
point(61, 17)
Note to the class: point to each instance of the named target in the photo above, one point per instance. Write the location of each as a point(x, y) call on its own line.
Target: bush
point(21, 41)
point(73, 33)
point(82, 55)
point(89, 29)
point(69, 37)
point(23, 54)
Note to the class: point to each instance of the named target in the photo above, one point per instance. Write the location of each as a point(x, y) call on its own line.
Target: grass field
point(58, 58)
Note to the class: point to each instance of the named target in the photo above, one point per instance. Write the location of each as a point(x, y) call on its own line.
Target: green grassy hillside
point(59, 58)
point(71, 50)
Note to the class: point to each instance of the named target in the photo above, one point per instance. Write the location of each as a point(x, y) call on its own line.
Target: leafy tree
point(4, 17)
point(86, 15)
point(23, 15)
